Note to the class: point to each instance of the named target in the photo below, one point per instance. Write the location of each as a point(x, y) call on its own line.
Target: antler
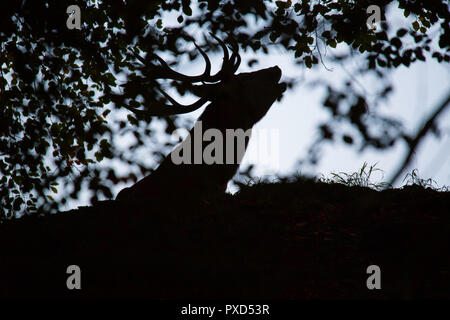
point(229, 67)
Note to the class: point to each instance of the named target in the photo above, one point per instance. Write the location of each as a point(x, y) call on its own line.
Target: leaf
point(308, 62)
point(326, 34)
point(396, 42)
point(98, 156)
point(280, 4)
point(187, 7)
point(381, 62)
point(273, 36)
point(132, 119)
point(332, 43)
point(401, 32)
point(419, 54)
point(106, 112)
point(17, 204)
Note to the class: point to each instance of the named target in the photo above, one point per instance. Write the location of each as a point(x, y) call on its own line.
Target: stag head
point(246, 95)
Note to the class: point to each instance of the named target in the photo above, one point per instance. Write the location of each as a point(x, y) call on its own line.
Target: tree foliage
point(61, 90)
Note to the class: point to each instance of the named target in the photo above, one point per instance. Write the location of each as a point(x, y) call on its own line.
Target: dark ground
point(291, 240)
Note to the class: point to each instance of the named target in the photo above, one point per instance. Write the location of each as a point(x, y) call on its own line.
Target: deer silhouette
point(237, 102)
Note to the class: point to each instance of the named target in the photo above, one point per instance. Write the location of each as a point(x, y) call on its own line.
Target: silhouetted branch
point(414, 143)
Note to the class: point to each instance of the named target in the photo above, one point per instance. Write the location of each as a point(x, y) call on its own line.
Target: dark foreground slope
point(296, 240)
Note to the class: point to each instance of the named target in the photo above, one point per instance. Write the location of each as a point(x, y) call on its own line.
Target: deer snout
point(275, 73)
point(272, 74)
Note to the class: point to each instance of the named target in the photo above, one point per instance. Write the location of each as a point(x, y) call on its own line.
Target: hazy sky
point(418, 90)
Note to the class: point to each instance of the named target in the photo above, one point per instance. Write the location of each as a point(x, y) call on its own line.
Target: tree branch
point(413, 144)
